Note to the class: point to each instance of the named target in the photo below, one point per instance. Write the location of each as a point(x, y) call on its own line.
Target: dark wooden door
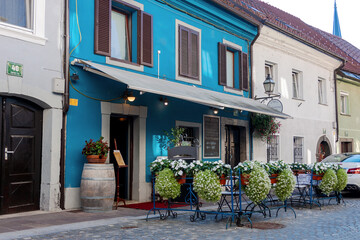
point(20, 155)
point(232, 145)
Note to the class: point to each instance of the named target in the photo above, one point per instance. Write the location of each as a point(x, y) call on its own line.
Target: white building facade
point(304, 77)
point(31, 93)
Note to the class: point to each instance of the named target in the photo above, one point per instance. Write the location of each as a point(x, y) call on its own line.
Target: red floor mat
point(150, 205)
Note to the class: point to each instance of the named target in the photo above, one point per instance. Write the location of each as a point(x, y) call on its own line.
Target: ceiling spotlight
point(74, 77)
point(215, 110)
point(165, 101)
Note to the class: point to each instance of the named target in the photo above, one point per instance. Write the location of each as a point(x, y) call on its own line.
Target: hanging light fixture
point(269, 85)
point(165, 101)
point(128, 96)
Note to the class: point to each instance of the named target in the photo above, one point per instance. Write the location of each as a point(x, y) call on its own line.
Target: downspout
point(65, 104)
point(251, 92)
point(336, 103)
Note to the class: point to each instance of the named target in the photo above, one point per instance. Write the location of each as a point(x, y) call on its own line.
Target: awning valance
point(195, 94)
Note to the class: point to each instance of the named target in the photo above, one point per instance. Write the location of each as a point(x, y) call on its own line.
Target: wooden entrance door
point(235, 145)
point(21, 124)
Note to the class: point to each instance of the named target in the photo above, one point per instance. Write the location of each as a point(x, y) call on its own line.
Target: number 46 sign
point(14, 69)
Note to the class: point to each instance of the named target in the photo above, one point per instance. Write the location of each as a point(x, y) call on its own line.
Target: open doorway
point(121, 130)
point(235, 145)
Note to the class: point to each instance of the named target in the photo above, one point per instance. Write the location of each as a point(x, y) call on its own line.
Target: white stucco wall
point(41, 54)
point(311, 120)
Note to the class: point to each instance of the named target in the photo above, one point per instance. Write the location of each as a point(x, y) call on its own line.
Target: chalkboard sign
point(211, 137)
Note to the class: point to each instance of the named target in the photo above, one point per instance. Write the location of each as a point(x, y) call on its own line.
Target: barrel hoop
point(98, 179)
point(97, 197)
point(99, 168)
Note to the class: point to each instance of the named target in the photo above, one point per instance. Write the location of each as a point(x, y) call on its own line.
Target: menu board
point(211, 136)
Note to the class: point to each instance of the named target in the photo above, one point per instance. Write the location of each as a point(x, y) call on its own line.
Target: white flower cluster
point(245, 167)
point(285, 185)
point(259, 184)
point(166, 184)
point(328, 182)
point(321, 167)
point(179, 167)
point(195, 166)
point(207, 185)
point(159, 164)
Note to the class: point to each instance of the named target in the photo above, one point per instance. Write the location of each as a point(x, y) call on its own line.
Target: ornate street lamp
point(269, 85)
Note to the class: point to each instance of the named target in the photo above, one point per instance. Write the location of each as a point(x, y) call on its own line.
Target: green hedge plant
point(166, 184)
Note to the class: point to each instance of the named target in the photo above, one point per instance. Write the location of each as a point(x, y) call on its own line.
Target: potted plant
point(274, 168)
point(159, 165)
point(206, 184)
point(265, 125)
point(319, 169)
point(299, 168)
point(259, 184)
point(244, 169)
point(285, 184)
point(329, 182)
point(96, 151)
point(166, 184)
point(179, 168)
point(175, 137)
point(222, 170)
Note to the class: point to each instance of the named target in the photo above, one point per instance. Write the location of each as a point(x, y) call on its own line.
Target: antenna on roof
point(336, 23)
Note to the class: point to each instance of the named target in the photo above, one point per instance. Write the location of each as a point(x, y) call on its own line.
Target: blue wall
point(84, 120)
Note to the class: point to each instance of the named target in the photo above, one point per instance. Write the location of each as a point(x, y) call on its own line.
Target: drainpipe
point(336, 103)
point(251, 92)
point(65, 104)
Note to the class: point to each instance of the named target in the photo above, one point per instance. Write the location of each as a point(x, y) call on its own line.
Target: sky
point(320, 14)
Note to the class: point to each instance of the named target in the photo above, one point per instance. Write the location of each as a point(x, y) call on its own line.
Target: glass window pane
point(229, 69)
point(16, 12)
point(119, 36)
point(354, 158)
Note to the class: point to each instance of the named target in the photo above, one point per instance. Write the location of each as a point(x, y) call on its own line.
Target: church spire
point(336, 23)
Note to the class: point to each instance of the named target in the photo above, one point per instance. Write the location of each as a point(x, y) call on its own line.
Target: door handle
point(7, 152)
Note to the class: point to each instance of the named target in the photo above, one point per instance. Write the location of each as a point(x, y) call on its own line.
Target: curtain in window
point(119, 36)
point(16, 12)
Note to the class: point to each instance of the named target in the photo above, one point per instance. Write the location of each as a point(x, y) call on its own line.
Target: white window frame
point(299, 89)
point(322, 91)
point(239, 48)
point(34, 35)
point(177, 75)
point(344, 95)
point(302, 149)
point(133, 66)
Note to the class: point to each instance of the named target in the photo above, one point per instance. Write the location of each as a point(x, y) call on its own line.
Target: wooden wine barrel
point(97, 188)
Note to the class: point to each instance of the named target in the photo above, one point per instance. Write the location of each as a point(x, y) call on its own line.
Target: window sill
point(324, 104)
point(21, 34)
point(188, 80)
point(120, 63)
point(233, 90)
point(299, 99)
point(345, 114)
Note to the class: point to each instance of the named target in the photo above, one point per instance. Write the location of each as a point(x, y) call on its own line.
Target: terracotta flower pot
point(223, 179)
point(273, 178)
point(182, 179)
point(245, 178)
point(296, 172)
point(95, 159)
point(318, 176)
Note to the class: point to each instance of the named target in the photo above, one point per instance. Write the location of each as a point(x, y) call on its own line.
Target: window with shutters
point(233, 67)
point(188, 48)
point(123, 33)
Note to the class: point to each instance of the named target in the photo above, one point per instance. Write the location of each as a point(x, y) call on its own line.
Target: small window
point(299, 149)
point(344, 103)
point(296, 85)
point(233, 67)
point(211, 146)
point(17, 12)
point(189, 52)
point(273, 148)
point(322, 91)
point(123, 32)
point(270, 69)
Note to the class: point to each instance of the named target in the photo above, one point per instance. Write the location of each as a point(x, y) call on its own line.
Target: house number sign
point(14, 69)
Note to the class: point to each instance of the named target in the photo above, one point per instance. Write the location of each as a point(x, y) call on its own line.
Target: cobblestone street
point(332, 222)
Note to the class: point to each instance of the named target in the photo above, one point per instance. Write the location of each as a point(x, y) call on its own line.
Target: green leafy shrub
point(259, 184)
point(342, 179)
point(328, 182)
point(207, 185)
point(166, 184)
point(285, 184)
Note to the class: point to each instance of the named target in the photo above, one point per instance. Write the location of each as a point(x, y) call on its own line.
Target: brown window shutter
point(222, 63)
point(146, 39)
point(102, 38)
point(245, 71)
point(194, 57)
point(183, 51)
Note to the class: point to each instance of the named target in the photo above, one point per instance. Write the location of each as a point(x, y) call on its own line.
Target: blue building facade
point(187, 64)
